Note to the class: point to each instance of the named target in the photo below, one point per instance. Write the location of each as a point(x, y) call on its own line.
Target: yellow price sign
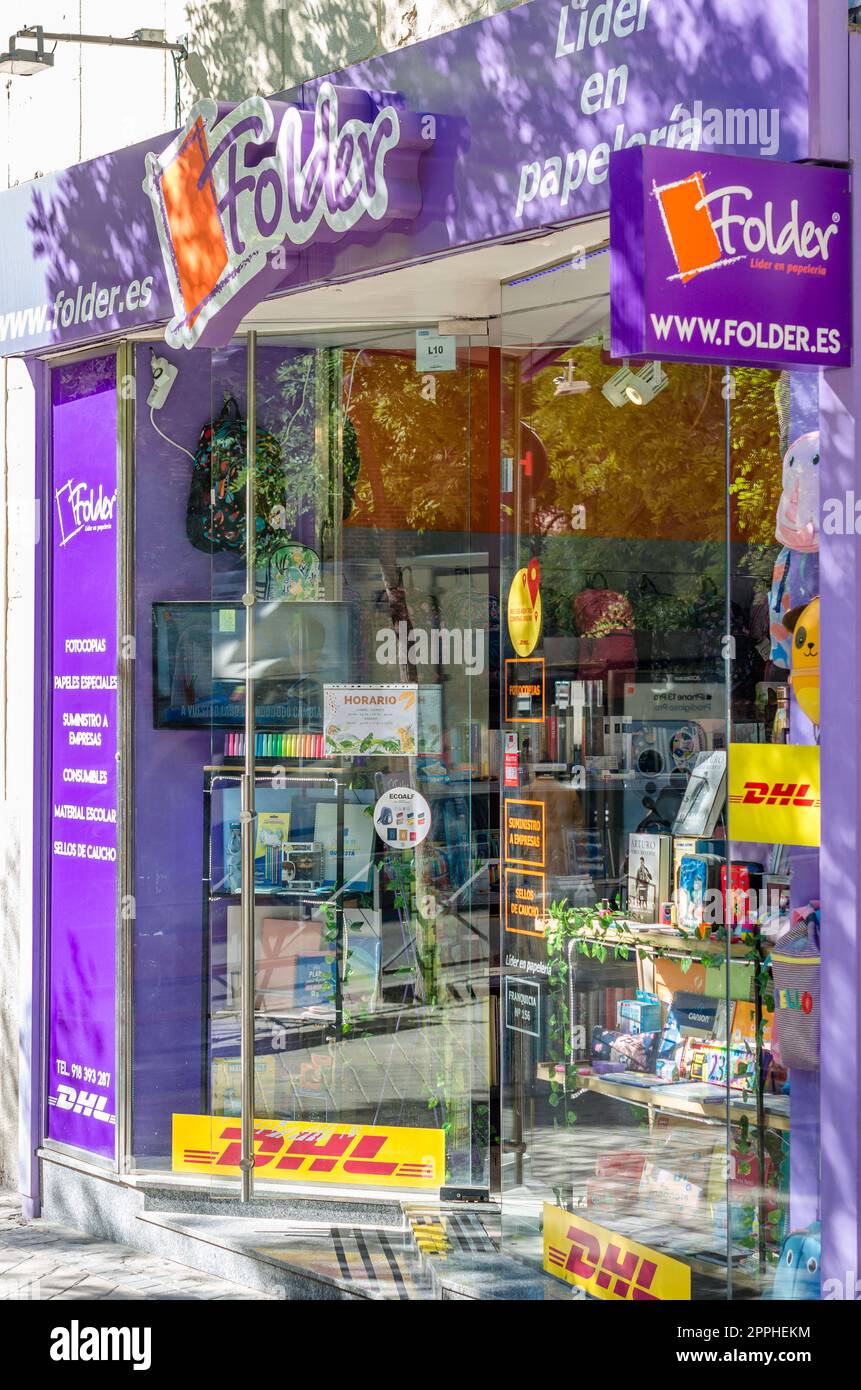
point(774, 793)
point(607, 1265)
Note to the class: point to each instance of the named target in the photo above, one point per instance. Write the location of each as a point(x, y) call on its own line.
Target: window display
point(365, 649)
point(660, 1119)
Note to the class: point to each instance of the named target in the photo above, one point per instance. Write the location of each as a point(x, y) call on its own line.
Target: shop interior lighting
point(635, 388)
point(568, 385)
point(28, 62)
point(615, 389)
point(647, 384)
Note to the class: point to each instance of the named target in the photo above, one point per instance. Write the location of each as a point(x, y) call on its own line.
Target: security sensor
point(164, 374)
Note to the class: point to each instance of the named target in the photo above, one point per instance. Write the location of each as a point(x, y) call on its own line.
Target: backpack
point(215, 516)
point(795, 963)
point(795, 584)
point(605, 622)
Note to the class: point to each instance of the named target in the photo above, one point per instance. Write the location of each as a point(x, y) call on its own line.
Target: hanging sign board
point(733, 260)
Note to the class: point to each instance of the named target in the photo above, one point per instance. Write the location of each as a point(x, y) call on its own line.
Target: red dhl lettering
point(777, 794)
point(632, 1275)
point(339, 1150)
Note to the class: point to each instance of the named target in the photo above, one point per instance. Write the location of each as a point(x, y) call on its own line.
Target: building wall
point(96, 99)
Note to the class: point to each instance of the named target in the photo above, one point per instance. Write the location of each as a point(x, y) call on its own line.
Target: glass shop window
point(661, 933)
point(374, 751)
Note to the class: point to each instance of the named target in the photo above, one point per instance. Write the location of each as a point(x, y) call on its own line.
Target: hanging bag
point(796, 963)
point(215, 516)
point(605, 622)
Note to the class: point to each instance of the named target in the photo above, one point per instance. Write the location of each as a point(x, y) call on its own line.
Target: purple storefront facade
point(520, 127)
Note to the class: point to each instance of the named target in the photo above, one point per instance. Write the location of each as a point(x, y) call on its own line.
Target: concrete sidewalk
point(39, 1260)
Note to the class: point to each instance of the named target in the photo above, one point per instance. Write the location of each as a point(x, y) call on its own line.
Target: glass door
point(614, 582)
point(323, 735)
point(661, 936)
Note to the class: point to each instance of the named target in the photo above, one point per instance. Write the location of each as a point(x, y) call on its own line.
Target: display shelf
point(323, 895)
point(234, 767)
point(668, 940)
point(660, 1098)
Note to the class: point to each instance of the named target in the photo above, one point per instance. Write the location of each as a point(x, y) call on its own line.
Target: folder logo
point(708, 230)
point(235, 196)
point(688, 223)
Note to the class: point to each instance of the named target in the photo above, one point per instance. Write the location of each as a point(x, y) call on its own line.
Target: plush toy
point(797, 1275)
point(798, 511)
point(803, 623)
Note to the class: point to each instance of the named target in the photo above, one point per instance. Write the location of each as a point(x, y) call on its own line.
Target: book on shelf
point(648, 875)
point(704, 798)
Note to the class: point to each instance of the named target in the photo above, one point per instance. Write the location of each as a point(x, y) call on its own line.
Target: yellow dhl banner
point(774, 793)
point(607, 1265)
point(366, 1155)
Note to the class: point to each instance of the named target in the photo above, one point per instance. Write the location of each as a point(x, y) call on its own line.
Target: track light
point(568, 385)
point(648, 384)
point(635, 388)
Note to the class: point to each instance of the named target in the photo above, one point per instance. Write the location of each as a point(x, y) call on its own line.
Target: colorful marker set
point(277, 746)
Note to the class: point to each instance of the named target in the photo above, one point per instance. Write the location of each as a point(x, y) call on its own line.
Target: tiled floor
point(39, 1260)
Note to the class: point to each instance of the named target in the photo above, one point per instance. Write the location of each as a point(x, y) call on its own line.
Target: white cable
point(350, 385)
point(181, 447)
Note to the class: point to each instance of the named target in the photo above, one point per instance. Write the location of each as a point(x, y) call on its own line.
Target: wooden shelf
point(662, 1098)
point(671, 941)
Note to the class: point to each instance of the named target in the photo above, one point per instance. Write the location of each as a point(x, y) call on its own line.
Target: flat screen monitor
point(199, 663)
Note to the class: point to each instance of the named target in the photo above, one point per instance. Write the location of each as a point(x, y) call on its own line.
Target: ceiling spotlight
point(26, 62)
point(616, 389)
point(635, 388)
point(568, 385)
point(647, 384)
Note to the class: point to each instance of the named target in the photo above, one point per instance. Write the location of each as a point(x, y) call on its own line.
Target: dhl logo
point(606, 1265)
point(776, 794)
point(366, 1155)
point(431, 1237)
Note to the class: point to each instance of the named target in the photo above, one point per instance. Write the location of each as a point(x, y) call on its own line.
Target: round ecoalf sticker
point(524, 609)
point(402, 818)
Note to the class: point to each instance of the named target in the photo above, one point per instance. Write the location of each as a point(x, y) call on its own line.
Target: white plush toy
point(798, 512)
